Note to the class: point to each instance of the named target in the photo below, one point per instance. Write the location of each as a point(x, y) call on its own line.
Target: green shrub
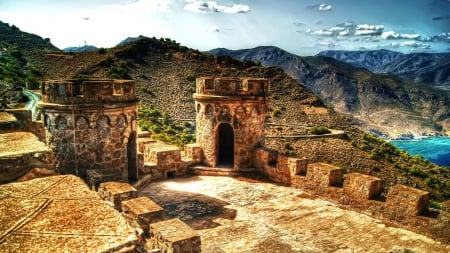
point(320, 130)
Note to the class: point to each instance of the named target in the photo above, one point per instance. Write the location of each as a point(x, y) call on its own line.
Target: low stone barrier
point(116, 192)
point(174, 236)
point(403, 200)
point(141, 212)
point(362, 187)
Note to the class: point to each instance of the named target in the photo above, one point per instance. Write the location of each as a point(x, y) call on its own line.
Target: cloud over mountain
point(200, 6)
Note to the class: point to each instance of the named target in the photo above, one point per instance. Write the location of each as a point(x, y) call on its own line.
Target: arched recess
point(132, 157)
point(225, 145)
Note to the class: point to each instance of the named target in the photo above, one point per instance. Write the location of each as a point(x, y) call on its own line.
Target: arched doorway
point(132, 157)
point(225, 146)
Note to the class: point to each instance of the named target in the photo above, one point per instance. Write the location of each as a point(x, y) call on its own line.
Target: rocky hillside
point(383, 104)
point(164, 72)
point(427, 68)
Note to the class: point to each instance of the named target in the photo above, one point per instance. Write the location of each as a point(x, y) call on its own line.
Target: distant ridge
point(427, 68)
point(86, 48)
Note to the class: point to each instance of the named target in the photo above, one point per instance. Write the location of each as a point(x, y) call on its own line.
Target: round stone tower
point(230, 119)
point(92, 125)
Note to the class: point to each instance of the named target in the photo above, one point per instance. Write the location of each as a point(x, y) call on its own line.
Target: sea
point(435, 149)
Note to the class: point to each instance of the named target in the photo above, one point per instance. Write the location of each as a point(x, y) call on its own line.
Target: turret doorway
point(225, 146)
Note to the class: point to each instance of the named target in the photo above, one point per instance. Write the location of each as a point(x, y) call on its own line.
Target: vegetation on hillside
point(14, 68)
point(435, 177)
point(165, 129)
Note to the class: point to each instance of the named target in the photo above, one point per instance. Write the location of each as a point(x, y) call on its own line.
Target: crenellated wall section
point(406, 205)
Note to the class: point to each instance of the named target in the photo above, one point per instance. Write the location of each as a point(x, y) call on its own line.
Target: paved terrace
point(250, 215)
point(59, 214)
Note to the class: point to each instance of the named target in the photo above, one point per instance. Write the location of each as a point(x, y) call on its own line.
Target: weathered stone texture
point(162, 161)
point(322, 174)
point(404, 200)
point(92, 125)
point(194, 153)
point(142, 212)
point(174, 236)
point(60, 214)
point(116, 192)
point(230, 110)
point(362, 187)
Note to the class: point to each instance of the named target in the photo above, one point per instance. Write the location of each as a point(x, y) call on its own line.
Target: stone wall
point(405, 205)
point(92, 125)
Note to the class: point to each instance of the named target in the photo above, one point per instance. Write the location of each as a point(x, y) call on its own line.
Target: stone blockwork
point(404, 201)
point(141, 212)
point(116, 192)
point(362, 187)
point(92, 125)
point(174, 236)
point(230, 119)
point(163, 161)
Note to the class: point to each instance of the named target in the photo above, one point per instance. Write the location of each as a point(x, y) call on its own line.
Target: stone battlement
point(232, 86)
point(83, 92)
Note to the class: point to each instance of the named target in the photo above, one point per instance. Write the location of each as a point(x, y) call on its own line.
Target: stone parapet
point(116, 192)
point(84, 92)
point(322, 174)
point(174, 236)
point(232, 86)
point(362, 187)
point(193, 153)
point(141, 212)
point(404, 200)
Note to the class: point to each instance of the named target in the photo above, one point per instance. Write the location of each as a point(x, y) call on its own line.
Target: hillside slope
point(164, 72)
point(382, 104)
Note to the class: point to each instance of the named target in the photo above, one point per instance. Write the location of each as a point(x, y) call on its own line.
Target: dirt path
point(245, 215)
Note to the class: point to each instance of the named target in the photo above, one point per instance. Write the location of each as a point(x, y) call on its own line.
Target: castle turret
point(230, 119)
point(92, 125)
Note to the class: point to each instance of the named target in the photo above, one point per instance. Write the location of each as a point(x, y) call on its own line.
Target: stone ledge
point(142, 212)
point(116, 192)
point(174, 236)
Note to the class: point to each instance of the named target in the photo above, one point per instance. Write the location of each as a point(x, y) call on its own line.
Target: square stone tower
point(230, 114)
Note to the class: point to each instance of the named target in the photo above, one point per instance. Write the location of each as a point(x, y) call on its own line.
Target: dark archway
point(225, 152)
point(132, 157)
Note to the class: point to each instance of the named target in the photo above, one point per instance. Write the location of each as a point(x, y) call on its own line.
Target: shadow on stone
point(197, 210)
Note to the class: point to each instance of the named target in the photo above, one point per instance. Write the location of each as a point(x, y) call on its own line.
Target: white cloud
point(394, 35)
point(324, 7)
point(323, 33)
point(212, 6)
point(350, 29)
point(415, 44)
point(366, 29)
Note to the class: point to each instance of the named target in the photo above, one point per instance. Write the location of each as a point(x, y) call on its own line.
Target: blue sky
point(303, 27)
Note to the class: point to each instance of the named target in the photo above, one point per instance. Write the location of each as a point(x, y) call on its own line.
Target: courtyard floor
point(252, 215)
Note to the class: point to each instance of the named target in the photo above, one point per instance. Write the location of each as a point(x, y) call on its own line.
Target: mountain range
point(427, 68)
point(384, 104)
